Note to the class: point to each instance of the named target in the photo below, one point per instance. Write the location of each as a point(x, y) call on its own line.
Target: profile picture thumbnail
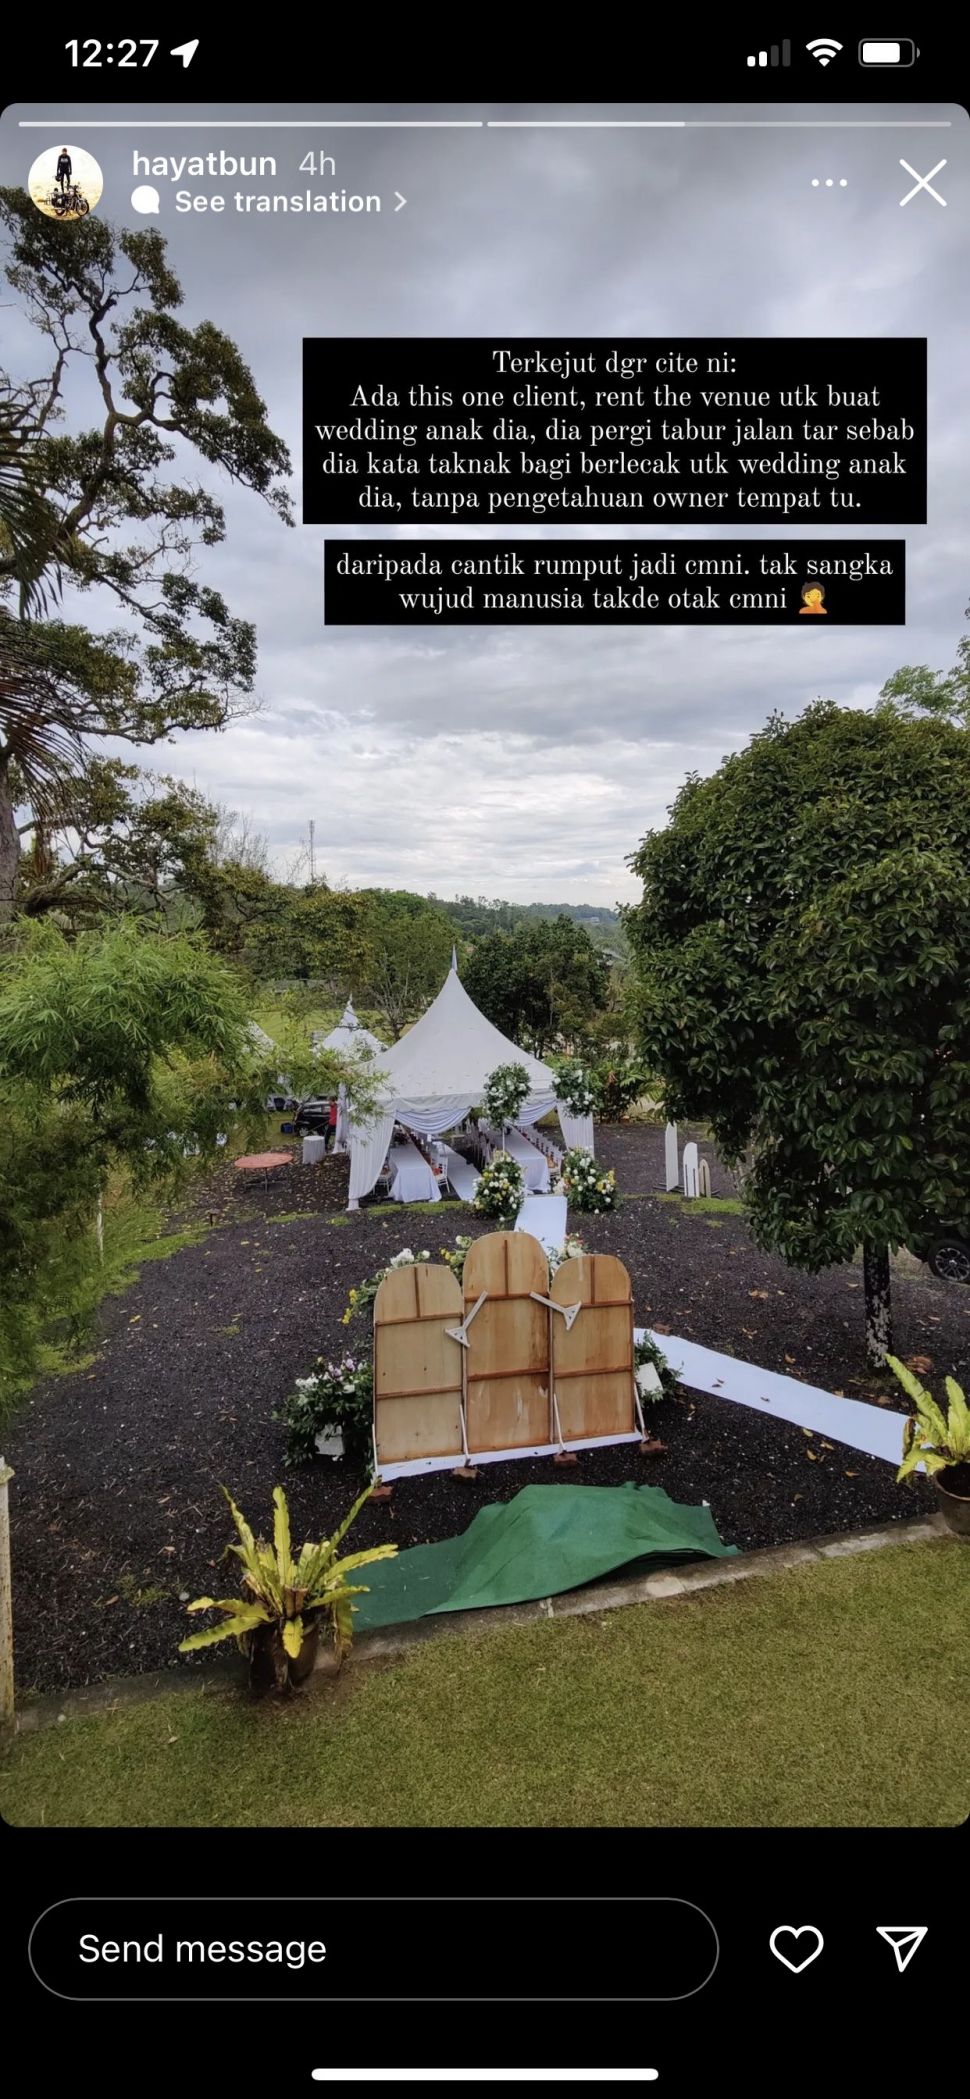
point(65, 182)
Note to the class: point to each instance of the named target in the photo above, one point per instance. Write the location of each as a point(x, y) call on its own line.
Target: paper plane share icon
point(904, 1940)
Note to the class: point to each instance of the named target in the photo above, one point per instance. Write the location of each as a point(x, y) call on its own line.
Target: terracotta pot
point(955, 1507)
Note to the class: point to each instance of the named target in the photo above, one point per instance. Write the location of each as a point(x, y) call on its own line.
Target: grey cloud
point(522, 761)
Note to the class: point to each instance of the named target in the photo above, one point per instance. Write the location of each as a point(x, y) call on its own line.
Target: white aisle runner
point(876, 1430)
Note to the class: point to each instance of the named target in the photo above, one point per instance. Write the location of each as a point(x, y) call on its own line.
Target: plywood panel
point(507, 1369)
point(417, 1366)
point(593, 1364)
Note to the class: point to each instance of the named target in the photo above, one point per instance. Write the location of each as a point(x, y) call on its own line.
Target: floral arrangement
point(507, 1089)
point(455, 1256)
point(576, 1088)
point(362, 1297)
point(501, 1187)
point(654, 1377)
point(588, 1186)
point(335, 1403)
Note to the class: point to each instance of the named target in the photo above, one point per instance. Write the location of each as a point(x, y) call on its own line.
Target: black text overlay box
point(615, 431)
point(614, 582)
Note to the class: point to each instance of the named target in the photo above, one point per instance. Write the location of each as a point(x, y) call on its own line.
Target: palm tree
point(28, 520)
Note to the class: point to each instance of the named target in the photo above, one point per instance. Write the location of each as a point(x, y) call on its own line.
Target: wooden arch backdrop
point(509, 1365)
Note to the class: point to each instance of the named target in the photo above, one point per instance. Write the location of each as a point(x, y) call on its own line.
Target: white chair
point(544, 1216)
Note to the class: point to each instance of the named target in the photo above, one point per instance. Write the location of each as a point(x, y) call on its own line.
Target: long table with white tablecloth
point(412, 1180)
point(535, 1168)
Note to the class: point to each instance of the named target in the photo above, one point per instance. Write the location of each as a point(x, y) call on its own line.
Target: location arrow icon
point(186, 52)
point(904, 1940)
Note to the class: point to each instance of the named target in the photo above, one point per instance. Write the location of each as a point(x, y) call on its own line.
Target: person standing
point(64, 170)
point(332, 1127)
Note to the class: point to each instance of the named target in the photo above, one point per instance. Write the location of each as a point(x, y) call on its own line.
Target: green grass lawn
point(835, 1693)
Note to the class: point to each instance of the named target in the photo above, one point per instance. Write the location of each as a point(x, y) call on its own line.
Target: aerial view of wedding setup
point(464, 1358)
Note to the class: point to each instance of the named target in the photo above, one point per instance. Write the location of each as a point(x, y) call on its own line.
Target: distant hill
point(480, 914)
point(474, 915)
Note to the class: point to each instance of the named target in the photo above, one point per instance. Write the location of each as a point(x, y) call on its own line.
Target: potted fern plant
point(277, 1619)
point(940, 1442)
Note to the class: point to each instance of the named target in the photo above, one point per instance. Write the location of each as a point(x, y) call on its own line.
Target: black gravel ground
point(117, 1515)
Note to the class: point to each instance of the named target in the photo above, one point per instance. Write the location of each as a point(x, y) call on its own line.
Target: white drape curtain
point(577, 1129)
point(368, 1151)
point(368, 1145)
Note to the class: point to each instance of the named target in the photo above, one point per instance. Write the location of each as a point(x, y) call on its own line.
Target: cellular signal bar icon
point(776, 55)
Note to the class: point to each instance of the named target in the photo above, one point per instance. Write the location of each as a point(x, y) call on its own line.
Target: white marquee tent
point(349, 1038)
point(438, 1071)
point(349, 1035)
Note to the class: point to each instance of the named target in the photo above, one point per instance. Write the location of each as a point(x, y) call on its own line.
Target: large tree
point(408, 943)
point(113, 509)
point(803, 960)
point(543, 984)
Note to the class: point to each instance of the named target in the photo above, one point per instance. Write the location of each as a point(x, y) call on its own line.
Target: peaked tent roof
point(349, 1034)
point(452, 1050)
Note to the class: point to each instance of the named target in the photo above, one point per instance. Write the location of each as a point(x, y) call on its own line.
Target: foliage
point(362, 1296)
point(576, 1088)
point(408, 946)
point(587, 1186)
point(506, 1091)
point(28, 522)
point(915, 689)
point(105, 308)
point(121, 1051)
point(542, 984)
point(294, 1065)
point(803, 949)
point(114, 839)
point(336, 1398)
point(931, 1438)
point(621, 1080)
point(454, 1257)
point(500, 1189)
point(283, 1591)
point(655, 1379)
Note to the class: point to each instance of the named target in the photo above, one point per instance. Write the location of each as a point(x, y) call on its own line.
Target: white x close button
point(922, 182)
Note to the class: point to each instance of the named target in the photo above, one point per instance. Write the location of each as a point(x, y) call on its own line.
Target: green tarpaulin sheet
point(545, 1540)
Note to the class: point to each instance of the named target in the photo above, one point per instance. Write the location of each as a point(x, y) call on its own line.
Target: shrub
point(588, 1186)
point(454, 1257)
point(648, 1357)
point(335, 1399)
point(620, 1082)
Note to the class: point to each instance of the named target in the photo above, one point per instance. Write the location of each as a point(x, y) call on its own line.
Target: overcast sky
point(508, 761)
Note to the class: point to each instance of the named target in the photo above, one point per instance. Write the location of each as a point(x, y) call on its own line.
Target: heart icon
point(795, 1932)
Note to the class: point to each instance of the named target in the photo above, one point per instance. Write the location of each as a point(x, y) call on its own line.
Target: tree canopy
point(108, 508)
point(121, 1049)
point(542, 984)
point(802, 955)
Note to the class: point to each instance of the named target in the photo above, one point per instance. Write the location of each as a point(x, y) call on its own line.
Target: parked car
point(312, 1118)
point(946, 1253)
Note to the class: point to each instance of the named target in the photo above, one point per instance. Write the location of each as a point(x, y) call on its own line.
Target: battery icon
point(887, 51)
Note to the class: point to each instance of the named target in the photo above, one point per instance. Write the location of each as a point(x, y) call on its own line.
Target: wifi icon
point(824, 48)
